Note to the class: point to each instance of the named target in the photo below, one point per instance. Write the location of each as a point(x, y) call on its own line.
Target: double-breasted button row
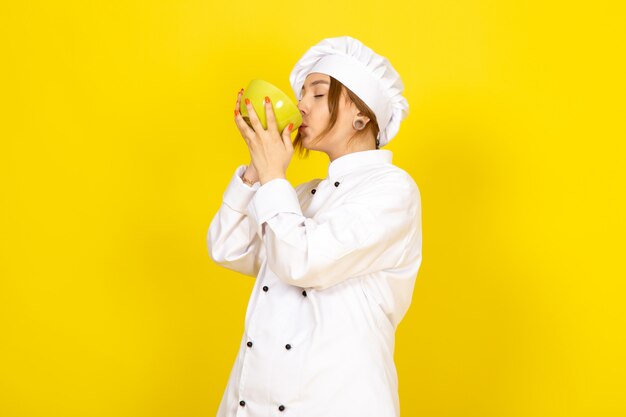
point(266, 288)
point(287, 346)
point(280, 407)
point(336, 185)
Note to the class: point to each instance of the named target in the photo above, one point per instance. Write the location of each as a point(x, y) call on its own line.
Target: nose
point(302, 107)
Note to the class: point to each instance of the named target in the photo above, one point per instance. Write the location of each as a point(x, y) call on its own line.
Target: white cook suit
point(335, 262)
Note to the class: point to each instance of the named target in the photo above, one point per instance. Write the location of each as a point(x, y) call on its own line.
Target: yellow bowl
point(285, 110)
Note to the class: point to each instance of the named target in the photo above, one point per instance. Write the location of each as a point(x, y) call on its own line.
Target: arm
point(364, 235)
point(231, 239)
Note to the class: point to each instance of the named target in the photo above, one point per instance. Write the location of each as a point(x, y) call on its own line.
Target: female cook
point(335, 259)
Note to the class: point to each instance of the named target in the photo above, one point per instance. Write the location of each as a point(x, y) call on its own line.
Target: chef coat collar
point(355, 160)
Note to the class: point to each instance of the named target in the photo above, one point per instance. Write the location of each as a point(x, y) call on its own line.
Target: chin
point(305, 144)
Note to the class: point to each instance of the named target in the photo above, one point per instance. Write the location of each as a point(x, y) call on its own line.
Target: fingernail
point(247, 101)
point(290, 126)
point(236, 112)
point(267, 99)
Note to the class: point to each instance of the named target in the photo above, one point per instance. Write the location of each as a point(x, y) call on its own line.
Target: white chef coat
point(335, 262)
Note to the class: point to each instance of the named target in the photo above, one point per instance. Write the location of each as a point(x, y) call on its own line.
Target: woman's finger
point(243, 127)
point(269, 115)
point(254, 119)
point(238, 103)
point(286, 136)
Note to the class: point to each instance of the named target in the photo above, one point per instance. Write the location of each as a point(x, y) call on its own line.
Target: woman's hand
point(270, 151)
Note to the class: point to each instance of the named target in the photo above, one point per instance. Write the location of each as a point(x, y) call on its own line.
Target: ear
point(367, 119)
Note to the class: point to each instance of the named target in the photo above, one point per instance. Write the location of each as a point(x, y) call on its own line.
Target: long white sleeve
point(231, 239)
point(365, 234)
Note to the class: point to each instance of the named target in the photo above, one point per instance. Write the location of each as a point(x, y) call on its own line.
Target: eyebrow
point(318, 82)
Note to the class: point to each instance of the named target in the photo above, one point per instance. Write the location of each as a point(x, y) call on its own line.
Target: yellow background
point(118, 140)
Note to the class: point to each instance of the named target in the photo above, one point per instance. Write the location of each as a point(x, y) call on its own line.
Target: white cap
point(369, 75)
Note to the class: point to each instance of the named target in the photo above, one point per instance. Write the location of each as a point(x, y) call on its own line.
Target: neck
point(363, 144)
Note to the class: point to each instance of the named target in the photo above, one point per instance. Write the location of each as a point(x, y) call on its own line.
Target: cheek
point(322, 115)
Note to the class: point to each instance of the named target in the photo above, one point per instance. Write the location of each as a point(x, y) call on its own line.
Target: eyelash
point(319, 95)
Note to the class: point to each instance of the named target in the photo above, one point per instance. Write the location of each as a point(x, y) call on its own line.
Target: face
point(315, 116)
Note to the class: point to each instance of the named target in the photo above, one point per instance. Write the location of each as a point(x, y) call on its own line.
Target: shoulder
point(388, 188)
point(391, 178)
point(398, 174)
point(409, 181)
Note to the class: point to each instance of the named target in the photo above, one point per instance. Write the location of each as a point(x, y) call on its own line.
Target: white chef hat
point(369, 75)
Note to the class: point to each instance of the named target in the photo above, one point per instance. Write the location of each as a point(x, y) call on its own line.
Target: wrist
point(271, 177)
point(247, 181)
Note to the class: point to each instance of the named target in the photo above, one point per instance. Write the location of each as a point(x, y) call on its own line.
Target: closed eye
point(321, 95)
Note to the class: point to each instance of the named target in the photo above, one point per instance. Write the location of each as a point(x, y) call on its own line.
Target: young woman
point(335, 259)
